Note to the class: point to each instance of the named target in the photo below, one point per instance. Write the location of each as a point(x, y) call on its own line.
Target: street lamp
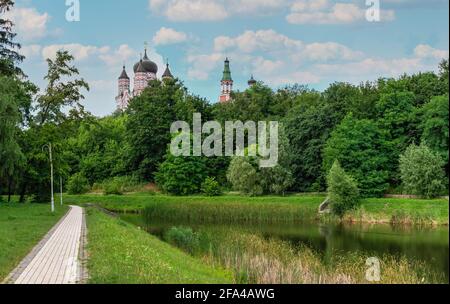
point(49, 146)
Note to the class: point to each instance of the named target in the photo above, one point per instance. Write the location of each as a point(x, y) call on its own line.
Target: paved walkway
point(56, 259)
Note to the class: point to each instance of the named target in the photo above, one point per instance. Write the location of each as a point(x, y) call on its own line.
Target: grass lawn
point(121, 253)
point(21, 228)
point(295, 207)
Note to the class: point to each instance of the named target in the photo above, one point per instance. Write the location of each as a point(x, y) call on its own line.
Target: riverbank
point(121, 253)
point(21, 228)
point(268, 209)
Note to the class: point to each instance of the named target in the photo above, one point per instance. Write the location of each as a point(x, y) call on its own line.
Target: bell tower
point(226, 83)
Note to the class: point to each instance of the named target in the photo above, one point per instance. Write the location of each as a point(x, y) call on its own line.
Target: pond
point(429, 246)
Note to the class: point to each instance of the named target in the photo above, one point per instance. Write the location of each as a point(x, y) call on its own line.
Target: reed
point(257, 260)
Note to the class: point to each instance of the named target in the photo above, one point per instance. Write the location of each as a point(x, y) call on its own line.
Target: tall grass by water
point(200, 212)
point(257, 260)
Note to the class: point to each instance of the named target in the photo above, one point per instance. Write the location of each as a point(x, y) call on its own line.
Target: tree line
point(375, 131)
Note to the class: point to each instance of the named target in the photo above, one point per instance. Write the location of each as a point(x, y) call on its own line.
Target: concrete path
point(57, 259)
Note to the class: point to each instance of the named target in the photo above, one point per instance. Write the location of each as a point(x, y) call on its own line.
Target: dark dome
point(147, 65)
point(124, 74)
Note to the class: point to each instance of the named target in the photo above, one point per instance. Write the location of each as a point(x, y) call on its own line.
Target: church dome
point(124, 74)
point(147, 65)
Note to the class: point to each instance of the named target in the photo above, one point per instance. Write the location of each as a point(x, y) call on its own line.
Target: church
point(145, 70)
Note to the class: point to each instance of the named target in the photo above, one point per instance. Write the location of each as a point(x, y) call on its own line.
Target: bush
point(422, 171)
point(342, 190)
point(183, 238)
point(211, 187)
point(244, 177)
point(78, 184)
point(113, 187)
point(277, 179)
point(181, 175)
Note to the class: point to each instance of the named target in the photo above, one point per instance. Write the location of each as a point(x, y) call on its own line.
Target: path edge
point(83, 274)
point(15, 274)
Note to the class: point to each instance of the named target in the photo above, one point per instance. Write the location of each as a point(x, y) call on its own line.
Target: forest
point(388, 135)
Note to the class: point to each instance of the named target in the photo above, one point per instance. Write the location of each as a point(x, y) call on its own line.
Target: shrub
point(421, 171)
point(78, 184)
point(183, 238)
point(342, 190)
point(113, 187)
point(277, 179)
point(211, 187)
point(244, 177)
point(181, 175)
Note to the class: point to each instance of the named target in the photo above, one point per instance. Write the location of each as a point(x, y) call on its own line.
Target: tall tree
point(60, 92)
point(9, 56)
point(11, 155)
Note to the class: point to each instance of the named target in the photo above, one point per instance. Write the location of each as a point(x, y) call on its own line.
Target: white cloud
point(79, 51)
point(31, 51)
point(29, 23)
point(190, 10)
point(271, 56)
point(213, 10)
point(202, 65)
point(119, 56)
point(326, 12)
point(169, 36)
point(426, 51)
point(281, 46)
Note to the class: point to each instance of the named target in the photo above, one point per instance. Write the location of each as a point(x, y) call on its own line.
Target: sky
point(280, 42)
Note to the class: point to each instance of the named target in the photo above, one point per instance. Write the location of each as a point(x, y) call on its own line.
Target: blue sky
point(313, 42)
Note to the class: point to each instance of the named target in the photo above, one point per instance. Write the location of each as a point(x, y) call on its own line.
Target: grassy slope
point(371, 210)
point(121, 253)
point(21, 228)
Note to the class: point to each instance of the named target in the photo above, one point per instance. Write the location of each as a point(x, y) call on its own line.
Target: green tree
point(435, 126)
point(181, 175)
point(11, 156)
point(58, 113)
point(397, 117)
point(361, 148)
point(150, 117)
point(9, 57)
point(62, 91)
point(244, 177)
point(421, 171)
point(78, 184)
point(342, 190)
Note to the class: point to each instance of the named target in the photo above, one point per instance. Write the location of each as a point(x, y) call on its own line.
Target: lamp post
point(61, 188)
point(51, 174)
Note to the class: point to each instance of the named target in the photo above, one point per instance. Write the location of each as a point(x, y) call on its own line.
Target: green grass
point(121, 253)
point(294, 208)
point(21, 228)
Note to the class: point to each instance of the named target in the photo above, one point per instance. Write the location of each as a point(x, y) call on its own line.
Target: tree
point(9, 56)
point(11, 155)
point(78, 184)
point(58, 113)
point(309, 126)
point(244, 177)
point(60, 92)
point(361, 148)
point(181, 175)
point(421, 171)
point(397, 117)
point(150, 117)
point(435, 126)
point(342, 190)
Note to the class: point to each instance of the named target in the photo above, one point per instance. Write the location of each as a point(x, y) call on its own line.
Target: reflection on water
point(429, 245)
